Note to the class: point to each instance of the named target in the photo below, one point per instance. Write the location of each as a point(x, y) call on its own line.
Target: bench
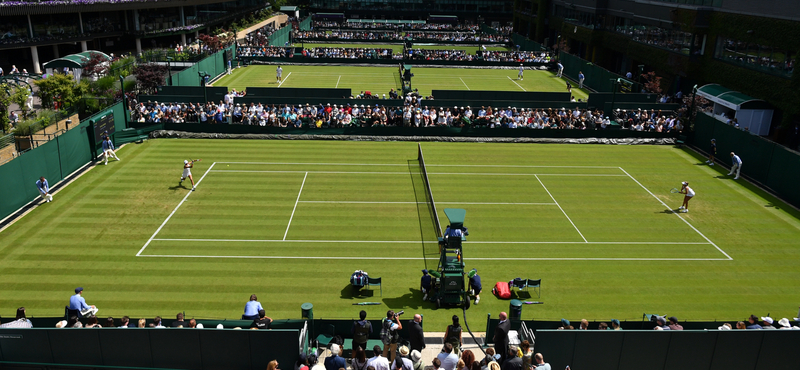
point(347, 351)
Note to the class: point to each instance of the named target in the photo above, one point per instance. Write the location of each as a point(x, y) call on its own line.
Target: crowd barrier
point(765, 162)
point(151, 347)
point(672, 349)
point(501, 95)
point(526, 44)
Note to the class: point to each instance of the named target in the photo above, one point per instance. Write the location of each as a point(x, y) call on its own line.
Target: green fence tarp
point(526, 44)
point(281, 36)
point(214, 65)
point(597, 78)
point(305, 25)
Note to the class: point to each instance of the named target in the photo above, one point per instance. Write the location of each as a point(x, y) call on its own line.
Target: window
point(673, 40)
point(755, 56)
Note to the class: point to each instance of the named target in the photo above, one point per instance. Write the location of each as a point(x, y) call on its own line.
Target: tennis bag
point(501, 290)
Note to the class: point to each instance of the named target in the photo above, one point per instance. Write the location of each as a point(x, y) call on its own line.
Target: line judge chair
point(375, 281)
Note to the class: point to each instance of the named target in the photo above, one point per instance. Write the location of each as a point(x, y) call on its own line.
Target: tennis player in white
point(187, 171)
point(521, 74)
point(278, 73)
point(737, 165)
point(688, 194)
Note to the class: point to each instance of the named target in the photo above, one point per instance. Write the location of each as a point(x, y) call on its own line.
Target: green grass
point(637, 259)
point(398, 48)
point(381, 79)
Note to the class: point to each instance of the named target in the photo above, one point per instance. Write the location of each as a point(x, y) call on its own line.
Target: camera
point(397, 314)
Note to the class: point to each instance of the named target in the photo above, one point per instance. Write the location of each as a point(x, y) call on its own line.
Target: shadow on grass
point(349, 292)
point(410, 300)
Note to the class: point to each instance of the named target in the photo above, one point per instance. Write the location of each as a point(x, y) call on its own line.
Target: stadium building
point(747, 46)
point(38, 31)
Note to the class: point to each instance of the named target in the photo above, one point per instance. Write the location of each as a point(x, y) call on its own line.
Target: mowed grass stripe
point(57, 246)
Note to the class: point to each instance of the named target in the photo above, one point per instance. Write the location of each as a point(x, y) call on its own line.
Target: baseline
point(174, 210)
point(375, 202)
point(426, 165)
point(677, 214)
point(417, 241)
point(429, 173)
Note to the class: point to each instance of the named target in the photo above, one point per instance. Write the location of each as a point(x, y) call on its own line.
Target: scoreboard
point(104, 126)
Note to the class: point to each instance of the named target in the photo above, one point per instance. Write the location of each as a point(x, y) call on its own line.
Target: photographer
point(390, 333)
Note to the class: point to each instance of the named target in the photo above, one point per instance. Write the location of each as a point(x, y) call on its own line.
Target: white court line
point(295, 206)
point(174, 210)
point(360, 258)
point(406, 165)
point(418, 241)
point(677, 214)
point(376, 202)
point(430, 173)
point(465, 84)
point(562, 209)
point(284, 79)
point(515, 83)
point(337, 81)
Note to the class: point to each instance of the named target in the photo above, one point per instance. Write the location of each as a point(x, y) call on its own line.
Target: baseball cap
point(564, 322)
point(78, 290)
point(425, 272)
point(615, 321)
point(673, 319)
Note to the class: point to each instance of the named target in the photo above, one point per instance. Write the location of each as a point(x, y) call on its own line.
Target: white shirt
point(279, 71)
point(379, 362)
point(449, 360)
point(689, 192)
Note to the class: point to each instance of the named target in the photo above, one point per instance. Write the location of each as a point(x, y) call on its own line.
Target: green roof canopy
point(731, 99)
point(289, 8)
point(75, 60)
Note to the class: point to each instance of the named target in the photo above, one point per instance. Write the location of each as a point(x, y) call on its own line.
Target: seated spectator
point(179, 321)
point(615, 325)
point(767, 323)
point(662, 323)
point(752, 323)
point(262, 322)
point(673, 323)
point(142, 323)
point(335, 361)
point(192, 323)
point(157, 323)
point(109, 323)
point(125, 322)
point(784, 323)
point(21, 320)
point(741, 325)
point(565, 325)
point(725, 326)
point(602, 326)
point(61, 324)
point(91, 322)
point(584, 325)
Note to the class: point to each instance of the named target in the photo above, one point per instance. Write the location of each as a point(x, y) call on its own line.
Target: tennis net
point(428, 193)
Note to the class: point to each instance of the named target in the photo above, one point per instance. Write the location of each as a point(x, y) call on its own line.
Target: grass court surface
point(380, 79)
point(398, 48)
point(290, 221)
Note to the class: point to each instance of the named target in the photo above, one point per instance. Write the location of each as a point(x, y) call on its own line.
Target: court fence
point(771, 165)
point(596, 78)
point(213, 65)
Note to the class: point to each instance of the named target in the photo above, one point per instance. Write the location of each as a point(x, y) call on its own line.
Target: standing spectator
point(447, 358)
point(359, 359)
point(512, 362)
point(501, 336)
point(335, 360)
point(527, 354)
point(417, 336)
point(540, 364)
point(712, 152)
point(453, 335)
point(44, 190)
point(736, 166)
point(391, 327)
point(581, 77)
point(673, 323)
point(475, 286)
point(78, 303)
point(377, 362)
point(179, 321)
point(252, 306)
point(361, 330)
point(425, 284)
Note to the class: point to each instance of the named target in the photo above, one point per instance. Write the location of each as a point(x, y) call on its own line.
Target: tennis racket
point(673, 190)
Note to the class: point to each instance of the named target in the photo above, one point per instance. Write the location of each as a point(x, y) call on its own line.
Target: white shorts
point(186, 172)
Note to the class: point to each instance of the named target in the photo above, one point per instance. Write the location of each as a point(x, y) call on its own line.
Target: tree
point(61, 89)
point(20, 97)
point(652, 82)
point(5, 102)
point(96, 66)
point(149, 76)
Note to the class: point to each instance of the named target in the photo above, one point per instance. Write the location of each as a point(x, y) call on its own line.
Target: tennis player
point(521, 74)
point(712, 152)
point(737, 165)
point(688, 194)
point(187, 170)
point(278, 73)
